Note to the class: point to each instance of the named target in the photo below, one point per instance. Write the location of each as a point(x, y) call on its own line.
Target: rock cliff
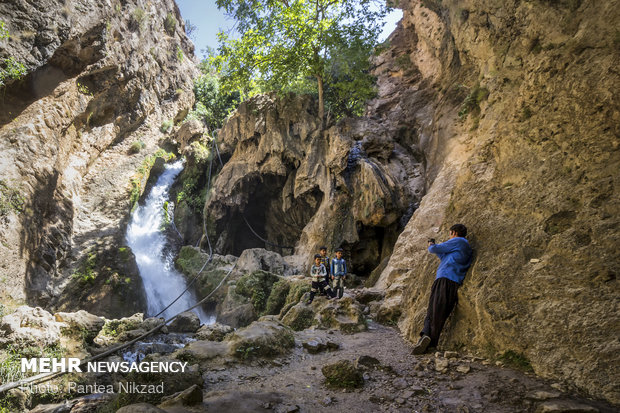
point(521, 145)
point(76, 138)
point(500, 115)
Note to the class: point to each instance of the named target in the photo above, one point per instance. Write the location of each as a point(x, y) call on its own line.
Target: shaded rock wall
point(299, 186)
point(101, 75)
point(531, 167)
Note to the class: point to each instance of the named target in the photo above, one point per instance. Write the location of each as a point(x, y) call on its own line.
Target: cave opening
point(373, 246)
point(265, 218)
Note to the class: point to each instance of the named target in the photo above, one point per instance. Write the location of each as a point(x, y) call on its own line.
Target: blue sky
point(205, 15)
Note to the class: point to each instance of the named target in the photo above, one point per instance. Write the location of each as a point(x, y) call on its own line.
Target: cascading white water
point(147, 241)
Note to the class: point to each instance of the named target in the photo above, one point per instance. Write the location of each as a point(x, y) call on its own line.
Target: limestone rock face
point(286, 183)
point(100, 76)
point(29, 326)
point(83, 321)
point(521, 145)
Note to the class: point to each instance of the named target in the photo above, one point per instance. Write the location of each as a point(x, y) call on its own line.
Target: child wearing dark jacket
point(318, 272)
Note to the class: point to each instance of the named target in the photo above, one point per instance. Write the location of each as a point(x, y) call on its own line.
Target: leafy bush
point(212, 104)
point(170, 23)
point(166, 126)
point(12, 70)
point(180, 54)
point(10, 199)
point(139, 15)
point(136, 146)
point(86, 273)
point(471, 104)
point(4, 33)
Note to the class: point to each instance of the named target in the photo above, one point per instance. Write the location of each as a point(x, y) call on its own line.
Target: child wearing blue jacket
point(339, 273)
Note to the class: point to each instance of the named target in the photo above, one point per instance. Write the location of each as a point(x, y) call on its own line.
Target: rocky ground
point(267, 366)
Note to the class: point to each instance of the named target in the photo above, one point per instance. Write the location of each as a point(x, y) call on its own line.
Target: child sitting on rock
point(318, 273)
point(339, 273)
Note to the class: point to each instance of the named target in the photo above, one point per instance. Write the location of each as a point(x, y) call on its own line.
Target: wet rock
point(150, 323)
point(81, 323)
point(186, 322)
point(200, 351)
point(565, 406)
point(299, 317)
point(213, 332)
point(266, 338)
point(140, 408)
point(29, 326)
point(343, 375)
point(259, 259)
point(188, 397)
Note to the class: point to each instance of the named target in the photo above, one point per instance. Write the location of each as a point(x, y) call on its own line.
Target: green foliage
point(166, 126)
point(302, 46)
point(4, 32)
point(85, 273)
point(113, 328)
point(170, 23)
point(136, 146)
point(180, 54)
point(277, 297)
point(516, 360)
point(10, 69)
point(10, 360)
point(471, 104)
point(193, 194)
point(83, 89)
point(11, 200)
point(257, 287)
point(213, 104)
point(142, 172)
point(139, 15)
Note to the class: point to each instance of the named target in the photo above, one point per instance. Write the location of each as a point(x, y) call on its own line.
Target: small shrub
point(86, 273)
point(12, 70)
point(11, 199)
point(139, 15)
point(83, 89)
point(166, 126)
point(170, 23)
point(471, 104)
point(4, 32)
point(180, 54)
point(136, 146)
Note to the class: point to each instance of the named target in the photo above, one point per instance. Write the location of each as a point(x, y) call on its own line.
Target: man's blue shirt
point(455, 255)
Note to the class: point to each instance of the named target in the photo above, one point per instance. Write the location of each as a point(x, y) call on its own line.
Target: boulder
point(299, 317)
point(267, 338)
point(366, 295)
point(29, 326)
point(255, 259)
point(188, 397)
point(213, 332)
point(186, 322)
point(81, 323)
point(343, 314)
point(202, 350)
point(188, 132)
point(317, 344)
point(122, 329)
point(343, 375)
point(239, 316)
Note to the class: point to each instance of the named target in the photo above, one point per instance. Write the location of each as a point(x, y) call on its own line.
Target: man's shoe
point(421, 345)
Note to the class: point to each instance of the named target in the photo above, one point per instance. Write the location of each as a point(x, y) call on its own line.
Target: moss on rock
point(342, 375)
point(277, 298)
point(257, 287)
point(299, 317)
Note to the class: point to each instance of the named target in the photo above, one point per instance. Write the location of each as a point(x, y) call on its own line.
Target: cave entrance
point(268, 220)
point(374, 245)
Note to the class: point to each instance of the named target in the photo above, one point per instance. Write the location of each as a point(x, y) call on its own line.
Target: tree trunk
point(319, 80)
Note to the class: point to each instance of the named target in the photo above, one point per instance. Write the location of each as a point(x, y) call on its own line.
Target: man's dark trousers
point(443, 299)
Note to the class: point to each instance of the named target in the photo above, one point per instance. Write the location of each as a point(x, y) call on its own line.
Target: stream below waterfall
point(145, 235)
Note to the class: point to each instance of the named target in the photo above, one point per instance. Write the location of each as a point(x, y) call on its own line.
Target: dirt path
point(401, 383)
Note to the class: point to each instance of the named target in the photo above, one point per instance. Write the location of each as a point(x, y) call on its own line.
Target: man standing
point(455, 255)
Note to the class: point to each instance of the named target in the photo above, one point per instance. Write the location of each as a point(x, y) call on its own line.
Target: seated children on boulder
point(317, 272)
point(339, 273)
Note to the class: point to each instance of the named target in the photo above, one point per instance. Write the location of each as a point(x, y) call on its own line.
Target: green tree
point(284, 43)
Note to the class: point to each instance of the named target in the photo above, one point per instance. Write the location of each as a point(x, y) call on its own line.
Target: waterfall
point(162, 282)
